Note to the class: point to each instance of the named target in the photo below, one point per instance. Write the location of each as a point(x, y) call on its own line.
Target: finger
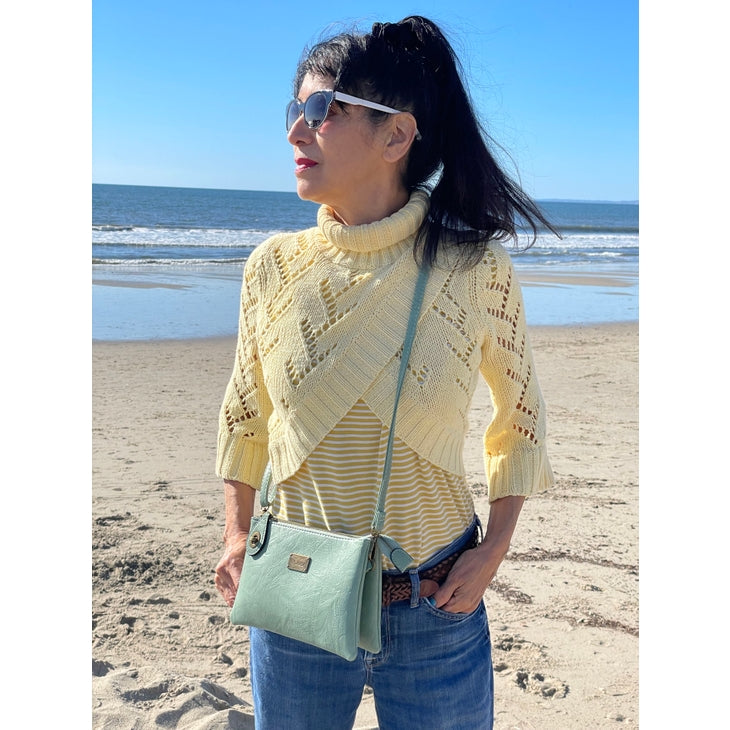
point(227, 586)
point(443, 595)
point(455, 607)
point(455, 596)
point(224, 584)
point(448, 590)
point(428, 588)
point(462, 603)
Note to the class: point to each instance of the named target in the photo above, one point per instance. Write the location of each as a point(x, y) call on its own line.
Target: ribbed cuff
point(518, 474)
point(241, 460)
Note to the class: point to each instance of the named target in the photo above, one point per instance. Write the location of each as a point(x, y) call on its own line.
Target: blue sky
point(192, 94)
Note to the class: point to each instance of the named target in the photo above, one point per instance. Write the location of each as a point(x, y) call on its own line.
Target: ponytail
point(411, 66)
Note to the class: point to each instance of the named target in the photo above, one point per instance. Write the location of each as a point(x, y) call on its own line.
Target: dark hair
point(411, 66)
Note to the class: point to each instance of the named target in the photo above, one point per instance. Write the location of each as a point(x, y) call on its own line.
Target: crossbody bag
point(322, 587)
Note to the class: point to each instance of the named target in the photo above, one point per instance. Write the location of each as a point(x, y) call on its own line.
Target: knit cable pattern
point(323, 318)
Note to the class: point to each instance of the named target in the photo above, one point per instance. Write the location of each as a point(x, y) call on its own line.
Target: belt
point(398, 587)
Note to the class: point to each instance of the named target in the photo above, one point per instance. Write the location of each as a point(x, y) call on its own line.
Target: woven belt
point(398, 587)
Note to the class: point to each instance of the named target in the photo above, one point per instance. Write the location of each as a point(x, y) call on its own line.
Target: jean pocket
point(448, 615)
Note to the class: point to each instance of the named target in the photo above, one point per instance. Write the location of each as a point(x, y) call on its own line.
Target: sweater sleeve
point(515, 454)
point(242, 426)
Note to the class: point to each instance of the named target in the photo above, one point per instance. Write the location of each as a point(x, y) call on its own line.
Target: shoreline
point(527, 276)
point(152, 304)
point(219, 338)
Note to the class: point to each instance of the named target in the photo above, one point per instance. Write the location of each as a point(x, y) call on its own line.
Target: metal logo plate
point(299, 563)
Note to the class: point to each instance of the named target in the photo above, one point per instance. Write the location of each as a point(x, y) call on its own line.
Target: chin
point(307, 191)
point(303, 190)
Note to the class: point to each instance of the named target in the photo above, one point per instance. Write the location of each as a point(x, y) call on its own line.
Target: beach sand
point(563, 608)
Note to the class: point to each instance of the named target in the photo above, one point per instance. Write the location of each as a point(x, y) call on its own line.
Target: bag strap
point(379, 516)
point(266, 499)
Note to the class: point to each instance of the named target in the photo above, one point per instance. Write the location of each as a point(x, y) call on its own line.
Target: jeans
point(434, 671)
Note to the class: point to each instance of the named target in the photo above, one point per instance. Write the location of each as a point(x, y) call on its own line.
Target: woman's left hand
point(475, 569)
point(466, 582)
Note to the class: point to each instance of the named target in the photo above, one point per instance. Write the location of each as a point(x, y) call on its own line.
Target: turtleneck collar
point(383, 239)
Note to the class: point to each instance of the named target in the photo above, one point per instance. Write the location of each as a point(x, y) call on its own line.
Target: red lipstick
point(303, 163)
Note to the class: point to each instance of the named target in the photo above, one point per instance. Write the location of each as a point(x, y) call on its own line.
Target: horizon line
point(260, 190)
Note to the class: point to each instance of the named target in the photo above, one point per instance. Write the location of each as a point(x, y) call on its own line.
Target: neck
point(381, 240)
point(379, 204)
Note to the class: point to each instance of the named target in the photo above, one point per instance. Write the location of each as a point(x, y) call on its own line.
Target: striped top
point(337, 486)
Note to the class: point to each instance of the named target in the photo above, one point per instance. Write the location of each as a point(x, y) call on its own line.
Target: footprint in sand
point(539, 684)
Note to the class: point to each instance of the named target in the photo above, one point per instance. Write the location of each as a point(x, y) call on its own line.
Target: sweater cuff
point(518, 474)
point(242, 460)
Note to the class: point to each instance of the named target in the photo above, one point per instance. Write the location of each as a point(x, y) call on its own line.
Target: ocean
point(167, 262)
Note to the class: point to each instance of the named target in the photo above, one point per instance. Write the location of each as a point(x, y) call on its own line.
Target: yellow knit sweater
point(323, 317)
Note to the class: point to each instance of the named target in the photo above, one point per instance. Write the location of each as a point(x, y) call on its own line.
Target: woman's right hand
point(239, 499)
point(228, 570)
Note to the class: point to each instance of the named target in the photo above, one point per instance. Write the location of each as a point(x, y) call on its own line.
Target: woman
point(376, 119)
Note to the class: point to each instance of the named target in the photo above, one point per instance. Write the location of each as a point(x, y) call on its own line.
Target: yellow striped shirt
point(337, 485)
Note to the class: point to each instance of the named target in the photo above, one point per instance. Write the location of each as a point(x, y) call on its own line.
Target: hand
point(468, 579)
point(475, 569)
point(228, 570)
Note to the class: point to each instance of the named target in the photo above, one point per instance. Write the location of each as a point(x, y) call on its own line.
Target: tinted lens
point(316, 108)
point(293, 110)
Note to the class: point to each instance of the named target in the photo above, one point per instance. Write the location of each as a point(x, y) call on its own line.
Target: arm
point(475, 569)
point(242, 441)
point(515, 457)
point(242, 452)
point(515, 453)
point(239, 501)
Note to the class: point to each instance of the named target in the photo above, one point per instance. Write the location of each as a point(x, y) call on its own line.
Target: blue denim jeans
point(434, 672)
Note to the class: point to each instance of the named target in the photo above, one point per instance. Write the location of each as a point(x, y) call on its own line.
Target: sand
point(563, 609)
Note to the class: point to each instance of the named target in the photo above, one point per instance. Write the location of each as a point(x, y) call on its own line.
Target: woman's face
point(340, 163)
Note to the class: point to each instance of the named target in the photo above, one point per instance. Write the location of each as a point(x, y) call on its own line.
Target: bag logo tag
point(299, 563)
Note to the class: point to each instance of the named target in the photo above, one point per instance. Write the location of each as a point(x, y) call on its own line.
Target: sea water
point(168, 262)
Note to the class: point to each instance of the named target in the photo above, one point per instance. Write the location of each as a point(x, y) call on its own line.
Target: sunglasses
point(317, 106)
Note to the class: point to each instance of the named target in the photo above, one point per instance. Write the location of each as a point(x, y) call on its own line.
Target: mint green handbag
point(317, 586)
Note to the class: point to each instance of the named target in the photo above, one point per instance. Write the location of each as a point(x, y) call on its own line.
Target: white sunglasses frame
point(348, 99)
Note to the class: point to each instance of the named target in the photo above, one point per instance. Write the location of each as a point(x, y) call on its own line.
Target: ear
point(402, 133)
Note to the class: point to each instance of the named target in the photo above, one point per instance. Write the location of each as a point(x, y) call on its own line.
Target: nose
point(299, 131)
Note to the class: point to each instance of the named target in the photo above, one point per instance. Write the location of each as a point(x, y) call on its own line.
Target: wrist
point(494, 546)
point(233, 538)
